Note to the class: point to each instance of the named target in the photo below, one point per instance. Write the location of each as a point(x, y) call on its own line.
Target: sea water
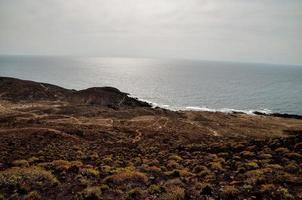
point(173, 84)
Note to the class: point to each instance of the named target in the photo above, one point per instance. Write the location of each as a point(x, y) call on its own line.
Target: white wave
point(226, 110)
point(203, 108)
point(153, 104)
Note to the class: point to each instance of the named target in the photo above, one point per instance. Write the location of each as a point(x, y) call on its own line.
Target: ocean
point(172, 84)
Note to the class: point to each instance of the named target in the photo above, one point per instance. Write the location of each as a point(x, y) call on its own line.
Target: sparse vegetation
point(26, 180)
point(20, 163)
point(94, 192)
point(173, 193)
point(127, 177)
point(155, 189)
point(229, 192)
point(33, 195)
point(89, 172)
point(61, 150)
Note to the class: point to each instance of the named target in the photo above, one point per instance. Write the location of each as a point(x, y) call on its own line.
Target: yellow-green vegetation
point(252, 165)
point(294, 155)
point(73, 150)
point(173, 173)
point(181, 172)
point(33, 177)
point(229, 192)
point(173, 193)
point(105, 169)
point(257, 175)
point(292, 167)
point(274, 166)
point(33, 195)
point(115, 170)
point(268, 188)
point(104, 187)
point(282, 150)
point(126, 177)
point(155, 189)
point(83, 180)
point(61, 165)
point(135, 194)
point(33, 159)
point(137, 161)
point(20, 163)
point(284, 194)
point(172, 164)
point(152, 170)
point(199, 168)
point(108, 159)
point(265, 156)
point(216, 166)
point(93, 192)
point(175, 157)
point(203, 173)
point(89, 172)
point(93, 156)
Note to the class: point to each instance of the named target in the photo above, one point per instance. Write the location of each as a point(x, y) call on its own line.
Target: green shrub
point(252, 165)
point(284, 194)
point(154, 189)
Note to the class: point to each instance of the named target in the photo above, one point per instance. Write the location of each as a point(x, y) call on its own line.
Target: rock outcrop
point(15, 90)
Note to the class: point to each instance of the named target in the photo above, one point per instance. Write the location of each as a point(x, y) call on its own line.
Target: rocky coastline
point(100, 143)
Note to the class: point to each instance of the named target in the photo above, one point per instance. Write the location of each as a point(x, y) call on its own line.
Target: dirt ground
point(60, 150)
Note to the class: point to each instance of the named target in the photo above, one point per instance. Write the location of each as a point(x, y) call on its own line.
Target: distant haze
point(268, 31)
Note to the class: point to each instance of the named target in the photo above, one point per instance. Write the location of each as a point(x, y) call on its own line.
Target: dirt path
point(138, 137)
point(36, 129)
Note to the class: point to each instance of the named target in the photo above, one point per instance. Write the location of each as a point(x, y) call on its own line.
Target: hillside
point(99, 143)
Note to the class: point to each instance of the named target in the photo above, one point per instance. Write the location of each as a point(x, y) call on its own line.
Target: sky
point(265, 31)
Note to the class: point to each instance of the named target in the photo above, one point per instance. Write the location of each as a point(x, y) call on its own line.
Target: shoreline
point(99, 143)
point(263, 112)
point(144, 102)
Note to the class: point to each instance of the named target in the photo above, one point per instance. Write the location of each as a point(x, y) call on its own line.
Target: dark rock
point(22, 90)
point(207, 190)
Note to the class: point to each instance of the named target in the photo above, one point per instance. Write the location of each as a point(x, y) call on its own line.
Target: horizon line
point(151, 57)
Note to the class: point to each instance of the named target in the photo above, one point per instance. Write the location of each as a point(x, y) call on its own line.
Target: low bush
point(127, 177)
point(33, 178)
point(20, 163)
point(93, 192)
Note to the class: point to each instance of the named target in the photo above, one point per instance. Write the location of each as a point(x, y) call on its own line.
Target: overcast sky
point(267, 31)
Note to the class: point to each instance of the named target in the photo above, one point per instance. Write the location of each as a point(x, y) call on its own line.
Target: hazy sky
point(238, 30)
